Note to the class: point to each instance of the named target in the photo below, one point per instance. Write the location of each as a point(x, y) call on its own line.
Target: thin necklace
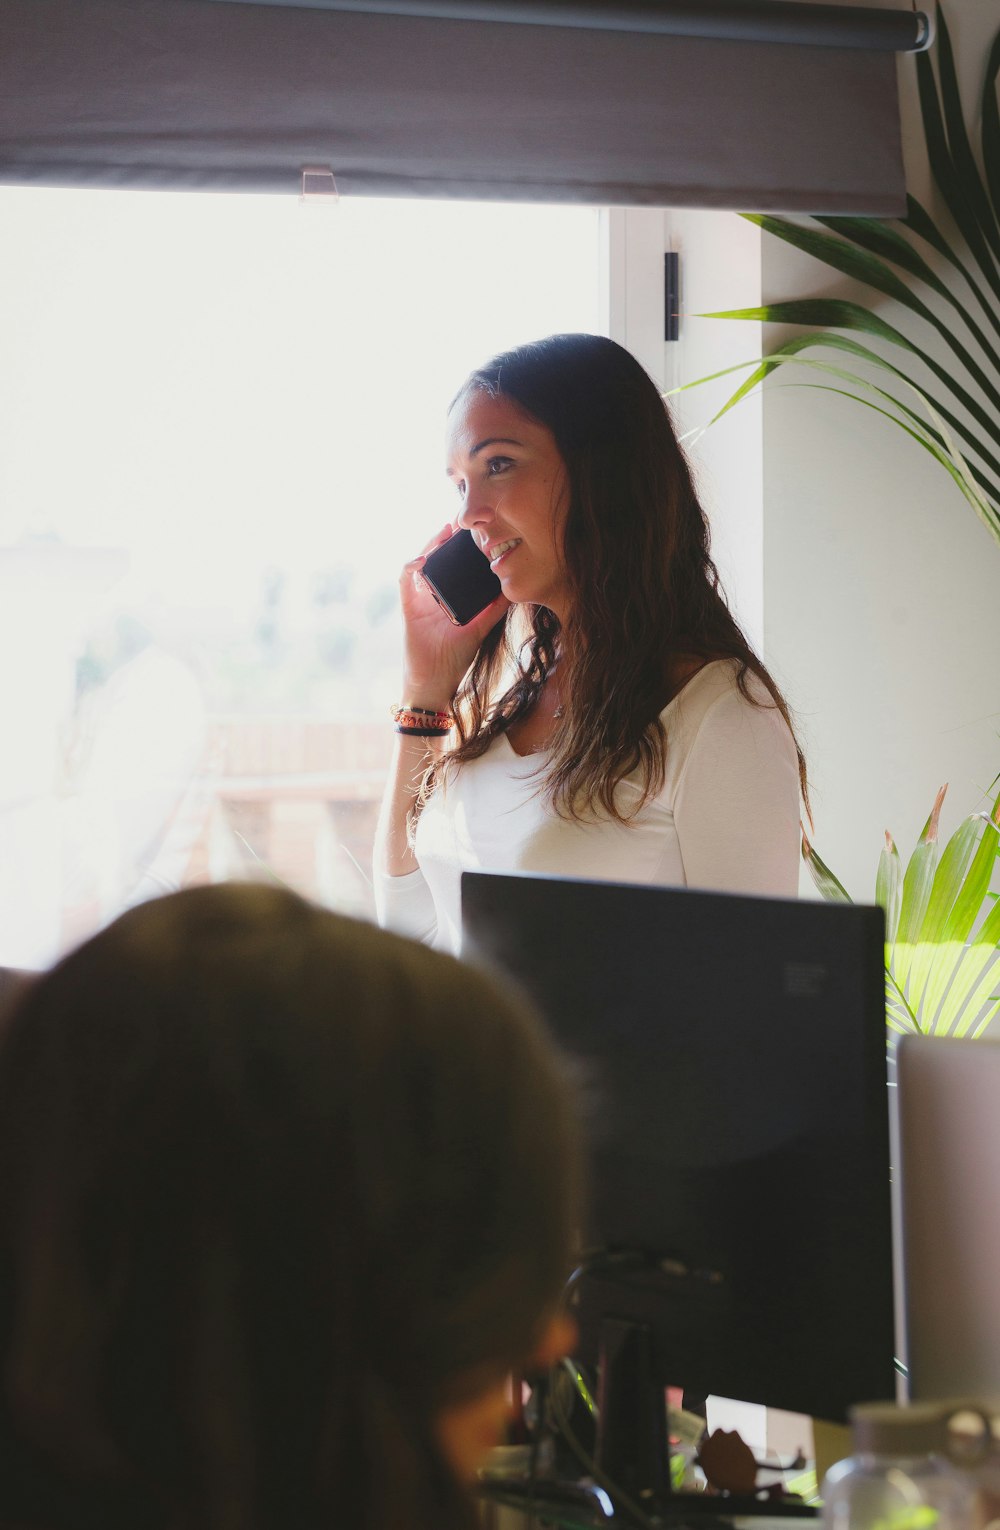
point(551, 679)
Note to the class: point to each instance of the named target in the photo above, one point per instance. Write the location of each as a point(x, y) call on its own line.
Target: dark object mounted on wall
point(671, 295)
point(766, 105)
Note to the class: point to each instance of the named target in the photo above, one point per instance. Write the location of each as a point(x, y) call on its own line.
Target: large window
point(223, 423)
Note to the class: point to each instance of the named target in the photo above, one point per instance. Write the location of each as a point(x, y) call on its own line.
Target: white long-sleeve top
point(726, 817)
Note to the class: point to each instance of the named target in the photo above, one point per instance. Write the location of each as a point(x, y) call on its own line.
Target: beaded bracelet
point(421, 722)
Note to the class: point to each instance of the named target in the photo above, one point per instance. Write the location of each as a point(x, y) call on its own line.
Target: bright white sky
point(223, 382)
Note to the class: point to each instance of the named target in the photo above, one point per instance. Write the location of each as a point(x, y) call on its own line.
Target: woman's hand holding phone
point(437, 652)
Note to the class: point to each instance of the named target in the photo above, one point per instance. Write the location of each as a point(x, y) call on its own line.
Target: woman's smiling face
point(515, 492)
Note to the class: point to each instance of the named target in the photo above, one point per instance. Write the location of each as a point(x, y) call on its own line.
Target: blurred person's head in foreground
point(283, 1199)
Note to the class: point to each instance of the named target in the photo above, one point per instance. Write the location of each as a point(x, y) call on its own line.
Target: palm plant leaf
point(960, 975)
point(974, 976)
point(827, 339)
point(837, 313)
point(938, 432)
point(920, 221)
point(866, 267)
point(987, 1020)
point(991, 125)
point(889, 896)
point(961, 881)
point(899, 1017)
point(934, 437)
point(918, 881)
point(957, 964)
point(962, 157)
point(828, 884)
point(887, 242)
point(953, 185)
point(851, 259)
point(889, 886)
point(957, 894)
point(950, 459)
point(941, 971)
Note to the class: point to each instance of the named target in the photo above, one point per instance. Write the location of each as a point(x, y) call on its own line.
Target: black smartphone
point(459, 577)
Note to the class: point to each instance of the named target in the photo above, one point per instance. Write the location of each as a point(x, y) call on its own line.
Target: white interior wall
point(719, 268)
point(881, 590)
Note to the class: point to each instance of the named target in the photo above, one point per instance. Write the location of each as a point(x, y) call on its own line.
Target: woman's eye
point(497, 465)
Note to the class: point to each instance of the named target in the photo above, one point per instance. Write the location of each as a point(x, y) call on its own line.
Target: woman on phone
point(604, 717)
point(276, 1220)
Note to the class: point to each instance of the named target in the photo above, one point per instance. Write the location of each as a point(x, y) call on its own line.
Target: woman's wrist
point(419, 697)
point(422, 722)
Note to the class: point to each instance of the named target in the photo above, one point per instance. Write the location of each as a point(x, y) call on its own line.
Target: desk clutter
point(919, 1466)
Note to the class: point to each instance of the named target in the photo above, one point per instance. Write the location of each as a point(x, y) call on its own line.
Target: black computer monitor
point(731, 1053)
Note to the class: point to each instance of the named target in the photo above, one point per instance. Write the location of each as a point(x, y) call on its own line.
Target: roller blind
point(841, 26)
point(196, 94)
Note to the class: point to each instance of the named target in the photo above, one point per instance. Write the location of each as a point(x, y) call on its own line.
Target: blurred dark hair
point(644, 590)
point(276, 1186)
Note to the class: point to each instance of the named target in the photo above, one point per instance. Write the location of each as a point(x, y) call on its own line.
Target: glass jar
point(899, 1475)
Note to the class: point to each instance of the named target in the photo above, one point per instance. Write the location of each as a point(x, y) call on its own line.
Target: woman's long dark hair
point(643, 588)
point(275, 1186)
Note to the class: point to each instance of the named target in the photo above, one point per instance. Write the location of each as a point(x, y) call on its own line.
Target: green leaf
point(763, 368)
point(975, 886)
point(889, 886)
point(841, 256)
point(958, 139)
point(938, 909)
point(827, 313)
point(898, 1015)
point(991, 125)
point(973, 979)
point(969, 477)
point(938, 927)
point(831, 888)
point(946, 173)
point(917, 884)
point(966, 989)
point(957, 469)
point(940, 920)
point(838, 314)
point(884, 240)
point(923, 225)
point(932, 406)
point(865, 267)
point(987, 1021)
point(933, 438)
point(788, 352)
